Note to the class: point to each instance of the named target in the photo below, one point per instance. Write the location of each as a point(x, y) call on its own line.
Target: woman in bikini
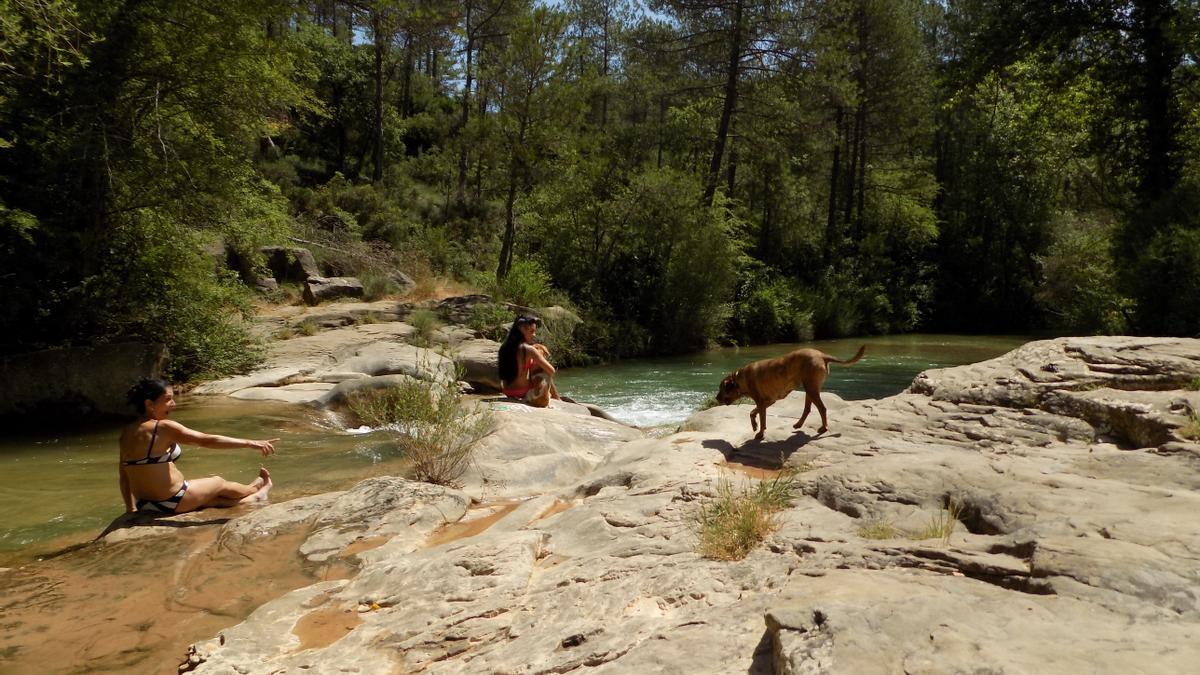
point(525, 372)
point(150, 446)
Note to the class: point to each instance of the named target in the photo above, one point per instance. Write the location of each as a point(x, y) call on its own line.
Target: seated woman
point(150, 446)
point(525, 370)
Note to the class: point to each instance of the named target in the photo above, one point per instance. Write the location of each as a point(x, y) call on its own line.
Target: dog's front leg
point(753, 419)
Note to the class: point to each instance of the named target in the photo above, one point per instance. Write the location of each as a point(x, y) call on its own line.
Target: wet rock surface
point(1063, 470)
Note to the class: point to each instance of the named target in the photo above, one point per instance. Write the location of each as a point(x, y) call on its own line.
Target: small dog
point(769, 380)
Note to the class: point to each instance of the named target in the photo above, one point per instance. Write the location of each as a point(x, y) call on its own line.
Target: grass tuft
point(425, 322)
point(434, 429)
point(730, 525)
point(878, 528)
point(941, 524)
point(1191, 430)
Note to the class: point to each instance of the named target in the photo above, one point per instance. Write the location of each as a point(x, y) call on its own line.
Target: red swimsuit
point(519, 392)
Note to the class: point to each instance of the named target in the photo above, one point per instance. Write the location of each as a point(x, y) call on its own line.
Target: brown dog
point(769, 380)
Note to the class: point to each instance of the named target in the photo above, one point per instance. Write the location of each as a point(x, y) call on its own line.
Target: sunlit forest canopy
point(678, 173)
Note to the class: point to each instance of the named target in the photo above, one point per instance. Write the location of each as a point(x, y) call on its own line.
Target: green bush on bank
point(435, 429)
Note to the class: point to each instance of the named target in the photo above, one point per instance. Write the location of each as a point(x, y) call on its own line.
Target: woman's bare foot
point(263, 484)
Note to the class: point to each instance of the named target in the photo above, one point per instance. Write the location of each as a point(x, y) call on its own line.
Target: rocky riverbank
point(1069, 469)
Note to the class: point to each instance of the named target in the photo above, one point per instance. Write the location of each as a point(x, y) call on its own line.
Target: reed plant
point(731, 524)
point(435, 429)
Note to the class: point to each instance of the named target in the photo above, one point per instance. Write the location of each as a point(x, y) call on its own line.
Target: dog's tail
point(861, 350)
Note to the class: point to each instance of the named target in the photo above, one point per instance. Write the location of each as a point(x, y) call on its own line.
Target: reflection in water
point(664, 391)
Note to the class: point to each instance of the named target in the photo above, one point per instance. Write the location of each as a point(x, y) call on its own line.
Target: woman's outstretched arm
point(182, 434)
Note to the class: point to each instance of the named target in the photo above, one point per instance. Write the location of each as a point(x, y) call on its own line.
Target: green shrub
point(491, 320)
point(425, 322)
point(377, 285)
point(1166, 283)
point(528, 285)
point(435, 430)
point(1079, 293)
point(771, 309)
point(729, 526)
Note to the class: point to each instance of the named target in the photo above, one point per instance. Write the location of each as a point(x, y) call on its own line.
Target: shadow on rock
point(138, 519)
point(771, 455)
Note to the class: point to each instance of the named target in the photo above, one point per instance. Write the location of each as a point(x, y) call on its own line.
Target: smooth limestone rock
point(1020, 538)
point(330, 358)
point(320, 289)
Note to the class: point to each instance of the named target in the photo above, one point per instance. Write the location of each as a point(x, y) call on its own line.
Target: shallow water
point(665, 391)
point(62, 489)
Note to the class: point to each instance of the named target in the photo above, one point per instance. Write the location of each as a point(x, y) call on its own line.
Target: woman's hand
point(265, 447)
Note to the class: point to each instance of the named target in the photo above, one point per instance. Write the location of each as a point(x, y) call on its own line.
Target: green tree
point(131, 156)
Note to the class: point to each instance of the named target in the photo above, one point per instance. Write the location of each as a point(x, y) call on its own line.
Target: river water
point(665, 391)
point(61, 488)
point(135, 607)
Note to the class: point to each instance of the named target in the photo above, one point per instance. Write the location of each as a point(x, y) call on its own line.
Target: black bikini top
point(170, 455)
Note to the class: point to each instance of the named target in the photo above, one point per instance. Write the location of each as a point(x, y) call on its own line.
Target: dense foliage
point(678, 171)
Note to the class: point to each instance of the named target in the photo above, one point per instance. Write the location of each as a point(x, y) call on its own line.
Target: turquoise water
point(665, 391)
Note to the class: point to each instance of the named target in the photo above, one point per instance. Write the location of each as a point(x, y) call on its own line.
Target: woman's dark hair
point(507, 358)
point(148, 389)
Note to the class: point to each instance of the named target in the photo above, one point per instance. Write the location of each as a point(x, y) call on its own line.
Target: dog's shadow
point(770, 455)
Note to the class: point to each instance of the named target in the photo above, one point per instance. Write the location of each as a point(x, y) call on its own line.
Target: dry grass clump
point(879, 528)
point(434, 429)
point(730, 525)
point(1191, 430)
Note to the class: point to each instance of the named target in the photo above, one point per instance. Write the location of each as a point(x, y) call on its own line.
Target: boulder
point(458, 309)
point(75, 384)
point(477, 359)
point(319, 289)
point(1019, 538)
point(404, 281)
point(290, 263)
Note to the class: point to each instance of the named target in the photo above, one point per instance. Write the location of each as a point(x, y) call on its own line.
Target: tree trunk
point(516, 168)
point(834, 172)
point(377, 143)
point(852, 155)
point(1161, 56)
point(461, 191)
point(731, 92)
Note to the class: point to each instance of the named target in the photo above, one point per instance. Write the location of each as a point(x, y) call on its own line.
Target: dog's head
point(729, 390)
